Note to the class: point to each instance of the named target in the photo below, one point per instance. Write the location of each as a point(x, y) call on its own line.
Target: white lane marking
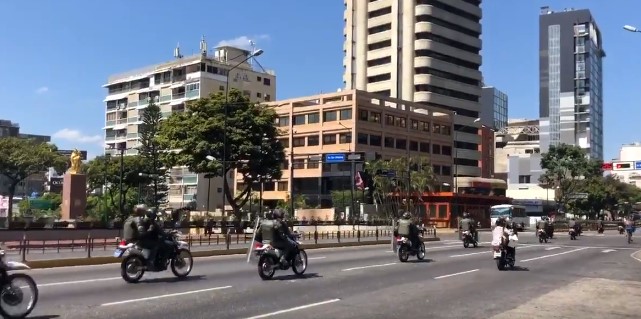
point(552, 248)
point(489, 251)
point(456, 274)
point(370, 266)
point(431, 248)
point(163, 296)
point(608, 250)
point(312, 258)
point(553, 255)
point(77, 282)
point(311, 305)
point(635, 257)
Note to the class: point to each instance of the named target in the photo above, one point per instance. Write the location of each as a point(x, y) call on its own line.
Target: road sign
point(83, 154)
point(334, 158)
point(637, 165)
point(354, 157)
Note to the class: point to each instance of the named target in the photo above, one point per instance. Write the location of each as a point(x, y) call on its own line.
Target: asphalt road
point(369, 282)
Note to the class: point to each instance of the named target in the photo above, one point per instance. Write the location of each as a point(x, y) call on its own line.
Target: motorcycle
point(269, 259)
point(136, 259)
point(572, 233)
point(600, 230)
point(543, 236)
point(506, 257)
point(18, 291)
point(405, 249)
point(469, 239)
point(621, 230)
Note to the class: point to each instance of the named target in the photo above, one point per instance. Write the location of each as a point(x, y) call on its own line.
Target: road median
point(94, 261)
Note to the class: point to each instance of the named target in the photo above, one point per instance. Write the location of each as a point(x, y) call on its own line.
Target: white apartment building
point(171, 85)
point(425, 51)
point(628, 166)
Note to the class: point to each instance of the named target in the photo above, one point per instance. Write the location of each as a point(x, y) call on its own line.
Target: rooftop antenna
point(177, 54)
point(252, 45)
point(203, 46)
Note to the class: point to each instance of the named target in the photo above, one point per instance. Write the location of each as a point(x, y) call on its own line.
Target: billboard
point(623, 166)
point(606, 166)
point(83, 154)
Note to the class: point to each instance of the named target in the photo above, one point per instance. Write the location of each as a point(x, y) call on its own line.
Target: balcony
point(165, 98)
point(115, 137)
point(133, 135)
point(110, 123)
point(177, 96)
point(193, 94)
point(189, 197)
point(190, 179)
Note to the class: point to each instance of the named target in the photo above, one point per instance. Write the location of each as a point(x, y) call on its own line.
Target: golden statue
point(76, 161)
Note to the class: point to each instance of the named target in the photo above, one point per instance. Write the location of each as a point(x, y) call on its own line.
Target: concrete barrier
point(94, 261)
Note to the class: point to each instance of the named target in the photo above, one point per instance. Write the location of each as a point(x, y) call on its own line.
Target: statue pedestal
point(74, 196)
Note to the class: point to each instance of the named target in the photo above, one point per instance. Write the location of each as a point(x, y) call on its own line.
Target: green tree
point(252, 146)
point(566, 166)
point(52, 201)
point(150, 151)
point(103, 172)
point(21, 158)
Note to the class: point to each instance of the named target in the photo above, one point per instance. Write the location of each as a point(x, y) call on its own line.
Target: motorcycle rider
point(629, 225)
point(140, 229)
point(283, 238)
point(468, 224)
point(599, 224)
point(543, 225)
point(572, 224)
point(406, 228)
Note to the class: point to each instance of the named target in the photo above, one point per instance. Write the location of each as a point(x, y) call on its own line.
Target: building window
point(298, 163)
point(299, 120)
point(312, 164)
point(268, 97)
point(329, 139)
point(446, 130)
point(221, 88)
point(298, 141)
point(436, 169)
point(282, 186)
point(446, 170)
point(375, 140)
point(401, 144)
point(345, 138)
point(375, 117)
point(389, 120)
point(313, 118)
point(312, 140)
point(283, 121)
point(267, 81)
point(346, 114)
point(414, 146)
point(363, 115)
point(284, 142)
point(389, 142)
point(426, 126)
point(401, 122)
point(329, 116)
point(414, 124)
point(425, 147)
point(436, 149)
point(362, 138)
point(524, 179)
point(436, 128)
point(446, 150)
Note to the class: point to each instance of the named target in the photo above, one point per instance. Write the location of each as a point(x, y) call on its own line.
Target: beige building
point(355, 122)
point(426, 51)
point(171, 85)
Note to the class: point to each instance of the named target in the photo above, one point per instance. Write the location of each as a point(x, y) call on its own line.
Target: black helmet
point(466, 215)
point(407, 215)
point(278, 214)
point(269, 215)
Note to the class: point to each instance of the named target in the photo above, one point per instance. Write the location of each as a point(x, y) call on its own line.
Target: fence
point(91, 243)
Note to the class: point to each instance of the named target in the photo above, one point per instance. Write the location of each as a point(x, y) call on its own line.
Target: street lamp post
point(122, 177)
point(224, 159)
point(209, 177)
point(104, 186)
point(456, 175)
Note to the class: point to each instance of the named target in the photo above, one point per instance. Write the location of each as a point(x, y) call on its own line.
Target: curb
point(95, 261)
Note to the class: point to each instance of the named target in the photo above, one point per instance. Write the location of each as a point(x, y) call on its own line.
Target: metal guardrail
point(91, 244)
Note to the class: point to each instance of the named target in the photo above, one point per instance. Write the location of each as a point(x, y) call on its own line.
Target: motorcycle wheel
point(421, 252)
point(183, 258)
point(137, 263)
point(466, 244)
point(299, 266)
point(540, 240)
point(403, 253)
point(500, 264)
point(267, 267)
point(7, 296)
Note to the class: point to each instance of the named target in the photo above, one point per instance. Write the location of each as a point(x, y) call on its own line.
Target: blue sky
point(55, 55)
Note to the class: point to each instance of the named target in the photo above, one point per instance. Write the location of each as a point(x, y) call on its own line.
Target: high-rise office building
point(171, 85)
point(425, 51)
point(494, 108)
point(571, 80)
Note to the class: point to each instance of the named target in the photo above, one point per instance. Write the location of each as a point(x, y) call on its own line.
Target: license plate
point(497, 254)
point(118, 253)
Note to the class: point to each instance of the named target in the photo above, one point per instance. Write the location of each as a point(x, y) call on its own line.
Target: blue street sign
point(334, 158)
point(637, 165)
point(391, 174)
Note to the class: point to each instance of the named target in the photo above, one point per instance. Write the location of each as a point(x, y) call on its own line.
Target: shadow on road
point(44, 317)
point(519, 268)
point(172, 279)
point(293, 277)
point(416, 261)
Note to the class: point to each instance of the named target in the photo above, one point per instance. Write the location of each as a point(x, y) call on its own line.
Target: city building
point(494, 108)
point(32, 184)
point(171, 85)
point(517, 160)
point(486, 148)
point(627, 167)
point(425, 51)
point(571, 80)
point(355, 121)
